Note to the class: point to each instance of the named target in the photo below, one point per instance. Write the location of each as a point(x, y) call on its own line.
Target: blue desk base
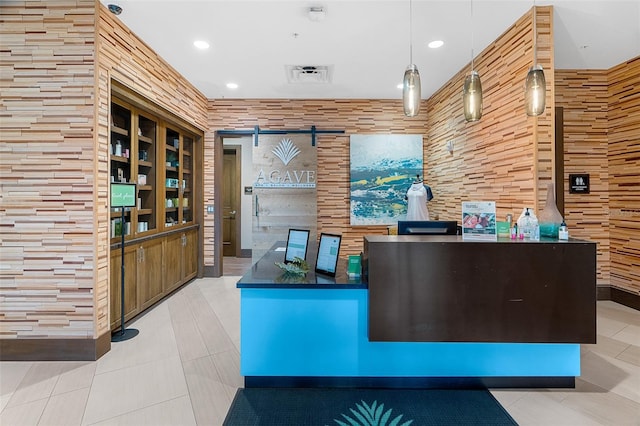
point(320, 335)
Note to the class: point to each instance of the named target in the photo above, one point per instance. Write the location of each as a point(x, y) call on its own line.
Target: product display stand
point(122, 196)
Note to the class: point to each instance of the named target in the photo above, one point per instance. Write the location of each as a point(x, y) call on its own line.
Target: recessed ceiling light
point(435, 44)
point(232, 85)
point(201, 44)
point(400, 86)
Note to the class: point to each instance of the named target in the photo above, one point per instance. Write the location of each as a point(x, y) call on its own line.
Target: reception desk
point(444, 289)
point(325, 331)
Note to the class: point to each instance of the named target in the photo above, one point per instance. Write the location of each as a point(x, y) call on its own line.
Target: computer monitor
point(427, 227)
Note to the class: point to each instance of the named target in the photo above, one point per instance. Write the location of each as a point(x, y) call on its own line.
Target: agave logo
point(286, 151)
point(372, 415)
point(286, 176)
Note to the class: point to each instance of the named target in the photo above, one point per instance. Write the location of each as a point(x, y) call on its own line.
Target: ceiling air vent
point(308, 74)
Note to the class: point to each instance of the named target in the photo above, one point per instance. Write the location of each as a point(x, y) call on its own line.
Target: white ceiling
point(365, 44)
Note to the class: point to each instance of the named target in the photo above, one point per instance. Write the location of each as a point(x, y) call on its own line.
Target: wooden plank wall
point(47, 178)
point(493, 159)
point(125, 58)
point(134, 64)
point(352, 116)
point(584, 97)
point(54, 160)
point(505, 156)
point(624, 174)
point(602, 136)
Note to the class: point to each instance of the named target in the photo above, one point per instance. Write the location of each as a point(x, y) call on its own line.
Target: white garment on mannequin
point(417, 202)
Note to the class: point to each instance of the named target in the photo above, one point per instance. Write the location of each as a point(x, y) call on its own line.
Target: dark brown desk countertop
point(458, 239)
point(264, 274)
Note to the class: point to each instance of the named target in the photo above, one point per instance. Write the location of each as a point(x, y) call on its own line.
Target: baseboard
point(212, 272)
point(246, 253)
point(409, 382)
point(623, 297)
point(603, 292)
point(54, 349)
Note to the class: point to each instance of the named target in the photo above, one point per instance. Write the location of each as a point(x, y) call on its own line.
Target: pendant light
point(535, 86)
point(472, 90)
point(411, 81)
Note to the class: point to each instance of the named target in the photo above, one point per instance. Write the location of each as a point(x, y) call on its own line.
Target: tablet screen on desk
point(297, 243)
point(328, 250)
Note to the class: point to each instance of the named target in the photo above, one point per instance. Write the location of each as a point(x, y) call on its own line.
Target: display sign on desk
point(297, 243)
point(328, 252)
point(479, 221)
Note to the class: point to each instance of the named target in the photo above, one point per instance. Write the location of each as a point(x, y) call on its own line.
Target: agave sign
point(293, 172)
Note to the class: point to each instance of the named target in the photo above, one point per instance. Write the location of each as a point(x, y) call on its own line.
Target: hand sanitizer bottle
point(527, 225)
point(563, 232)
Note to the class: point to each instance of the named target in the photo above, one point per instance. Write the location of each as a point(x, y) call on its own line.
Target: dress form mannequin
point(417, 196)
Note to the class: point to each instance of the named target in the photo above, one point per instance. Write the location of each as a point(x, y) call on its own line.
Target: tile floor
point(183, 369)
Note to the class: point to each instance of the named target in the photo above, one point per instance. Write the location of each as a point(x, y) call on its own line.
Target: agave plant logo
point(286, 151)
point(371, 415)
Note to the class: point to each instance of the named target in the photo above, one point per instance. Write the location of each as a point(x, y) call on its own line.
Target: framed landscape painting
point(382, 167)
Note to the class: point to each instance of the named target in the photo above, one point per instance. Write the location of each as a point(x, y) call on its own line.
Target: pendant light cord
point(535, 36)
point(410, 32)
point(471, 2)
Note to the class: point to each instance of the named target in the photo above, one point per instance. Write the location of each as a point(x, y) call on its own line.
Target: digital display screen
point(296, 245)
point(328, 250)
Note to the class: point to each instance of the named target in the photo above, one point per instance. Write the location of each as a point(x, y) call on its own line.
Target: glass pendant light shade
point(534, 92)
point(472, 97)
point(411, 91)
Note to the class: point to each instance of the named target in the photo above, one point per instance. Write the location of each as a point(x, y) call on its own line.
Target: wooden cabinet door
point(131, 297)
point(190, 255)
point(173, 261)
point(150, 285)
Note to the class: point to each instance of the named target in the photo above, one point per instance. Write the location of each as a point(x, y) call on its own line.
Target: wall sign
point(579, 183)
point(284, 165)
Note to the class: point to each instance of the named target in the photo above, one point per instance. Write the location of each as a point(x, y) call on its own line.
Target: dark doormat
point(359, 407)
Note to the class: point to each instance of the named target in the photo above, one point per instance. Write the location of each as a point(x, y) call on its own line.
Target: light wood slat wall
point(47, 177)
point(584, 97)
point(505, 156)
point(124, 57)
point(493, 158)
point(352, 116)
point(134, 64)
point(624, 174)
point(102, 215)
point(58, 59)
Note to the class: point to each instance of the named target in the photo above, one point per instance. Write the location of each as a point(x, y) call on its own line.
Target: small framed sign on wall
point(579, 183)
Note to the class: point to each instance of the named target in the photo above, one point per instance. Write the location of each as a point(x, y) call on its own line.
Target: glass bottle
point(526, 225)
point(563, 233)
point(550, 218)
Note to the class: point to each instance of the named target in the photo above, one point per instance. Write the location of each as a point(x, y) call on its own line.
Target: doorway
point(231, 217)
